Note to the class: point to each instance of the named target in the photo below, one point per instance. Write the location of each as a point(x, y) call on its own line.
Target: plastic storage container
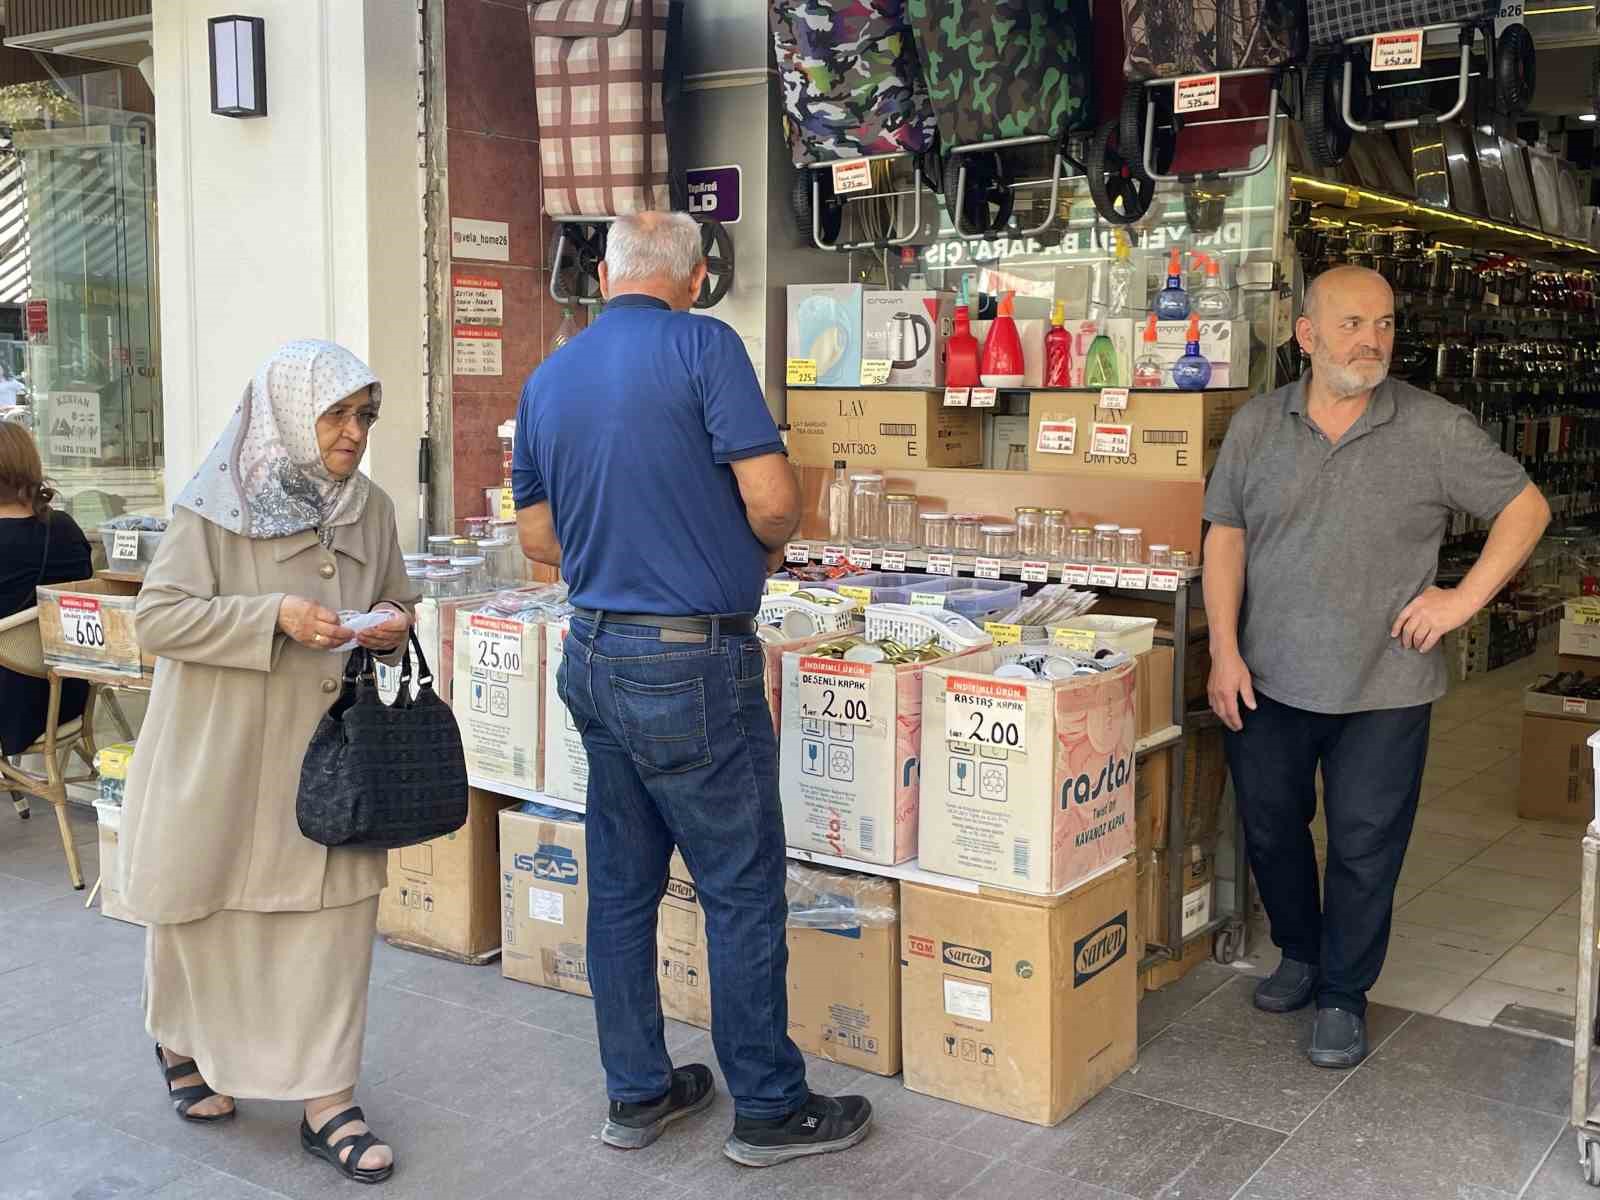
point(888, 587)
point(147, 541)
point(977, 599)
point(1133, 635)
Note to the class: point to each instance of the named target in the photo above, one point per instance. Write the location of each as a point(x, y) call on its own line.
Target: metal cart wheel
point(1120, 196)
point(1225, 948)
point(831, 215)
point(717, 246)
point(1327, 136)
point(1136, 102)
point(576, 253)
point(987, 198)
point(1515, 69)
point(1589, 1155)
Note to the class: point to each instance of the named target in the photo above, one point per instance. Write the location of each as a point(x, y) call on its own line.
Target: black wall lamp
point(238, 66)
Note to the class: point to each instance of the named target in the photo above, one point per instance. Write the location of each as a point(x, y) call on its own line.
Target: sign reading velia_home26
point(487, 240)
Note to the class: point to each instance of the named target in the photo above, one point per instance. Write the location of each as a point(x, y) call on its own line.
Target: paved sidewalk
point(492, 1089)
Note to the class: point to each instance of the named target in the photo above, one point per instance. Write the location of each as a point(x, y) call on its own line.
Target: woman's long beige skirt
point(270, 1005)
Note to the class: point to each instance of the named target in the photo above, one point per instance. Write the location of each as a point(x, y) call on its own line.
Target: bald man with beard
point(1326, 509)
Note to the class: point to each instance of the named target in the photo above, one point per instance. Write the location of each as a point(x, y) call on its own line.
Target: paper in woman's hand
point(356, 622)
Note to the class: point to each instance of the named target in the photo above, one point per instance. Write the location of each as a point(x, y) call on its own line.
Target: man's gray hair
point(653, 245)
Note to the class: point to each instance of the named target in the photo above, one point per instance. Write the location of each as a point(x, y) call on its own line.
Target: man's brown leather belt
point(739, 624)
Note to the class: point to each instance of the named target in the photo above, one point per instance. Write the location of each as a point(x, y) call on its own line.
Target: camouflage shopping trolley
point(852, 90)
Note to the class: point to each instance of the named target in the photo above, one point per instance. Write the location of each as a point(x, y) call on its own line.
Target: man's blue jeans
point(682, 753)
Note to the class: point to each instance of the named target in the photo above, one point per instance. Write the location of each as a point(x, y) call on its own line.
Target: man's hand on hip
point(1229, 684)
point(1429, 617)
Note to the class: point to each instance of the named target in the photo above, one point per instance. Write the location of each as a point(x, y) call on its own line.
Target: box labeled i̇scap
point(1027, 784)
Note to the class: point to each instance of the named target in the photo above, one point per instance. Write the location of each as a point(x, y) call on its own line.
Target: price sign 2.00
point(835, 691)
point(495, 644)
point(985, 712)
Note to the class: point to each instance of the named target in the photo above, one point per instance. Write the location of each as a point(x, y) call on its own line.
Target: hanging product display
point(1002, 349)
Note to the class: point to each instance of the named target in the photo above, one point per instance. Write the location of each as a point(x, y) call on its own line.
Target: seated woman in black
point(37, 545)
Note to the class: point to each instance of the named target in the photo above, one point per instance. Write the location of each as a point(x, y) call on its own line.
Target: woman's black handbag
point(382, 775)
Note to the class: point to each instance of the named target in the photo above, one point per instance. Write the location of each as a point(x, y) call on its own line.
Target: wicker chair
point(21, 651)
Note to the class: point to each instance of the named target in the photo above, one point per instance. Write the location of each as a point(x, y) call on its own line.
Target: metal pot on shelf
point(1412, 274)
point(1437, 261)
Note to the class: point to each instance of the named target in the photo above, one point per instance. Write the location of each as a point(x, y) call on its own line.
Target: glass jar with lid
point(1182, 558)
point(899, 519)
point(1160, 554)
point(476, 528)
point(936, 530)
point(502, 559)
point(1055, 532)
point(1030, 532)
point(1080, 544)
point(444, 583)
point(1105, 543)
point(439, 544)
point(1130, 544)
point(967, 526)
point(998, 540)
point(474, 570)
point(866, 509)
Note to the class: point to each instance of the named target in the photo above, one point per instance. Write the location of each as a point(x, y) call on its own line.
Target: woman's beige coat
point(209, 819)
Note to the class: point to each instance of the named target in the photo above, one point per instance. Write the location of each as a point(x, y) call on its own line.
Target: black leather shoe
point(635, 1126)
point(1288, 988)
point(821, 1125)
point(1338, 1039)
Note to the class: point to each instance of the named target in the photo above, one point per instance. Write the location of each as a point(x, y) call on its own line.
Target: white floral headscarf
point(265, 477)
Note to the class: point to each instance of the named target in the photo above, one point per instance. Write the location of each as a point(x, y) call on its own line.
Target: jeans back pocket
point(664, 724)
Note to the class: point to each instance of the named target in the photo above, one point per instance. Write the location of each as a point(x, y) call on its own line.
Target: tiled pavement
point(492, 1089)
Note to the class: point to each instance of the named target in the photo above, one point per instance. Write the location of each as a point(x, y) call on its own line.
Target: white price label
point(983, 397)
point(125, 545)
point(1197, 93)
point(797, 552)
point(1036, 572)
point(860, 556)
point(852, 175)
point(1137, 578)
point(1111, 441)
point(1397, 51)
point(1102, 577)
point(836, 691)
point(81, 626)
point(495, 644)
point(1075, 574)
point(1058, 437)
point(875, 371)
point(894, 560)
point(987, 568)
point(1571, 704)
point(1115, 399)
point(986, 712)
point(956, 397)
point(832, 556)
point(1162, 580)
point(939, 564)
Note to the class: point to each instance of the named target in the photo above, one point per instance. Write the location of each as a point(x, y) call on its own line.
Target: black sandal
point(185, 1098)
point(316, 1142)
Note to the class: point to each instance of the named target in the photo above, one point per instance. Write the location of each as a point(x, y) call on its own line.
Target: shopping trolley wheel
point(1515, 69)
point(986, 199)
point(1225, 949)
point(717, 246)
point(1135, 112)
point(1327, 136)
point(1120, 196)
point(832, 214)
point(1589, 1153)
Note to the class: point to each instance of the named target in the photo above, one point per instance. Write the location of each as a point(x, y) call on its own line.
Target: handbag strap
point(424, 672)
point(44, 559)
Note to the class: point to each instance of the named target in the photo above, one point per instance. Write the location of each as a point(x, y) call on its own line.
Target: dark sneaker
point(1288, 988)
point(635, 1126)
point(1338, 1039)
point(821, 1125)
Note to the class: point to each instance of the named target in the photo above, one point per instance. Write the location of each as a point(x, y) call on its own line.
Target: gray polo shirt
point(1339, 537)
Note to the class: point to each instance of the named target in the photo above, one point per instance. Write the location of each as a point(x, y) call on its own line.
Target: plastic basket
point(979, 598)
point(889, 587)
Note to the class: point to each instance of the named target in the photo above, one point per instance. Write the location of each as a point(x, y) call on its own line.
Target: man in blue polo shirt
point(648, 468)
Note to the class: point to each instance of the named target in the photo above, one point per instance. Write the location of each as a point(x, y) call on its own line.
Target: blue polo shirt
point(628, 431)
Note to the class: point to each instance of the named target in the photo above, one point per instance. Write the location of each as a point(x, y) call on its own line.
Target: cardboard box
point(1165, 974)
point(1002, 433)
point(685, 979)
point(500, 713)
point(566, 762)
point(851, 788)
point(882, 429)
point(443, 896)
point(544, 899)
point(888, 318)
point(1019, 1006)
point(825, 330)
point(1205, 779)
point(1557, 768)
point(1054, 806)
point(1171, 435)
point(1151, 785)
point(1225, 344)
point(90, 624)
point(1153, 671)
point(1580, 639)
point(844, 980)
point(1198, 866)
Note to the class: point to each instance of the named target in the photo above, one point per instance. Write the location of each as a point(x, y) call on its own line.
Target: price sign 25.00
point(985, 712)
point(835, 691)
point(495, 644)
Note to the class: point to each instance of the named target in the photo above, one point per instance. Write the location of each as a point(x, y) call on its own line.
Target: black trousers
point(1372, 777)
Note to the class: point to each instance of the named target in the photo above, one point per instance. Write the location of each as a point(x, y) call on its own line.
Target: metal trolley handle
point(1463, 77)
point(1239, 173)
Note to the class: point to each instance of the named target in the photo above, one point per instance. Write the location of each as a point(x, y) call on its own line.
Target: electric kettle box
point(1026, 784)
point(825, 330)
point(908, 329)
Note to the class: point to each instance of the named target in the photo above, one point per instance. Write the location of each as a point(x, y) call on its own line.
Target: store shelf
point(907, 872)
point(1159, 740)
point(1131, 577)
point(522, 793)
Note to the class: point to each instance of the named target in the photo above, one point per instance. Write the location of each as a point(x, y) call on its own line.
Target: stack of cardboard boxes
point(1558, 717)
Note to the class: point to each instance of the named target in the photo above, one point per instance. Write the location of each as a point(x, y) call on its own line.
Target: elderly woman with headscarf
point(260, 940)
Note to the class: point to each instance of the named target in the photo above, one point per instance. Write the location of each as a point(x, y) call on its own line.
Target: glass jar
point(866, 509)
point(967, 526)
point(1130, 545)
point(998, 541)
point(900, 519)
point(1030, 532)
point(1080, 544)
point(1160, 554)
point(475, 571)
point(1181, 558)
point(444, 583)
point(439, 545)
point(503, 559)
point(839, 506)
point(477, 528)
point(1055, 532)
point(1105, 544)
point(936, 530)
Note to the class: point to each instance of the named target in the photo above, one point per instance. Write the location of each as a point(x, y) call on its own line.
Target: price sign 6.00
point(986, 712)
point(81, 624)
